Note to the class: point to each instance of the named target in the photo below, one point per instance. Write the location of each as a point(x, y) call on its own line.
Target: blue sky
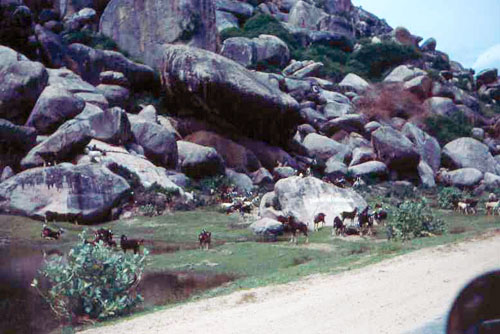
point(468, 30)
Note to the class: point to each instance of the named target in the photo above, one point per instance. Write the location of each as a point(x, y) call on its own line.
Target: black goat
point(48, 233)
point(205, 238)
point(319, 218)
point(349, 214)
point(338, 227)
point(134, 244)
point(106, 236)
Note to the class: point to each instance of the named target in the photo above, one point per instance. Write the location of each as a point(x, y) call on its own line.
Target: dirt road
point(394, 296)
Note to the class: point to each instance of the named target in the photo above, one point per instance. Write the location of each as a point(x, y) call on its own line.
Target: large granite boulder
point(21, 83)
point(109, 125)
point(395, 150)
point(52, 48)
point(269, 156)
point(15, 137)
point(158, 142)
point(369, 169)
point(469, 152)
point(199, 161)
point(426, 174)
point(148, 174)
point(304, 197)
point(266, 226)
point(63, 145)
point(463, 177)
point(353, 83)
point(426, 145)
point(305, 15)
point(55, 106)
point(250, 52)
point(348, 123)
point(85, 193)
point(235, 155)
point(404, 73)
point(67, 80)
point(220, 88)
point(89, 63)
point(242, 183)
point(322, 147)
point(148, 24)
point(225, 20)
point(442, 106)
point(240, 9)
point(117, 96)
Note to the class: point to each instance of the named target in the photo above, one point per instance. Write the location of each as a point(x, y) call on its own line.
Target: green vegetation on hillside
point(448, 128)
point(371, 61)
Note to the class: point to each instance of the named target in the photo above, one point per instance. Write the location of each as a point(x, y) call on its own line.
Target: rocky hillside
point(110, 105)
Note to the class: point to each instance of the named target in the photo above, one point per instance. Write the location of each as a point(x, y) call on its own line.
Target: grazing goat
point(50, 234)
point(463, 207)
point(319, 218)
point(338, 227)
point(349, 214)
point(134, 244)
point(106, 236)
point(365, 221)
point(472, 204)
point(491, 207)
point(292, 225)
point(205, 238)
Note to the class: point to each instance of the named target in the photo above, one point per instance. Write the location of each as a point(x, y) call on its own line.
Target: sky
point(467, 30)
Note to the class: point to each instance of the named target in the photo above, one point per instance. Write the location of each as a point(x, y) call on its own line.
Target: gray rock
point(110, 126)
point(249, 52)
point(337, 25)
point(426, 175)
point(89, 63)
point(269, 156)
point(225, 20)
point(7, 173)
point(477, 133)
point(491, 181)
point(404, 73)
point(463, 177)
point(440, 106)
point(266, 226)
point(372, 126)
point(395, 150)
point(362, 154)
point(54, 107)
point(324, 148)
point(113, 78)
point(353, 83)
point(239, 9)
point(469, 153)
point(348, 123)
point(308, 70)
point(369, 169)
point(149, 114)
point(78, 20)
point(313, 117)
point(403, 36)
point(420, 86)
point(199, 161)
point(335, 169)
point(66, 192)
point(305, 15)
point(117, 96)
point(16, 138)
point(235, 156)
point(64, 144)
point(21, 83)
point(334, 109)
point(242, 183)
point(193, 78)
point(304, 197)
point(426, 145)
point(283, 172)
point(158, 143)
point(52, 48)
point(262, 177)
point(179, 179)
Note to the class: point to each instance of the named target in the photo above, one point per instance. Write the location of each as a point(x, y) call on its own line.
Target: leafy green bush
point(413, 219)
point(448, 128)
point(92, 281)
point(447, 196)
point(373, 60)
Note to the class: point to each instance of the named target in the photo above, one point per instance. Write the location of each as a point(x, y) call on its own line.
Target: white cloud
point(489, 58)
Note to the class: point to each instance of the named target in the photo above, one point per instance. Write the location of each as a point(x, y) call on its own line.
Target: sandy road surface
point(394, 296)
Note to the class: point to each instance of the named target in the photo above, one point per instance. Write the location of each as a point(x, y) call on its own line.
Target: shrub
point(448, 128)
point(447, 195)
point(373, 60)
point(384, 101)
point(92, 281)
point(413, 219)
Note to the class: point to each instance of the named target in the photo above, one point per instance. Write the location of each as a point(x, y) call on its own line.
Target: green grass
point(237, 252)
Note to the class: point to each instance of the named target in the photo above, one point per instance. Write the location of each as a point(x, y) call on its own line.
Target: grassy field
point(235, 251)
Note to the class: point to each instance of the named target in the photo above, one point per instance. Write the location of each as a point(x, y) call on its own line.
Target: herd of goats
point(361, 222)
